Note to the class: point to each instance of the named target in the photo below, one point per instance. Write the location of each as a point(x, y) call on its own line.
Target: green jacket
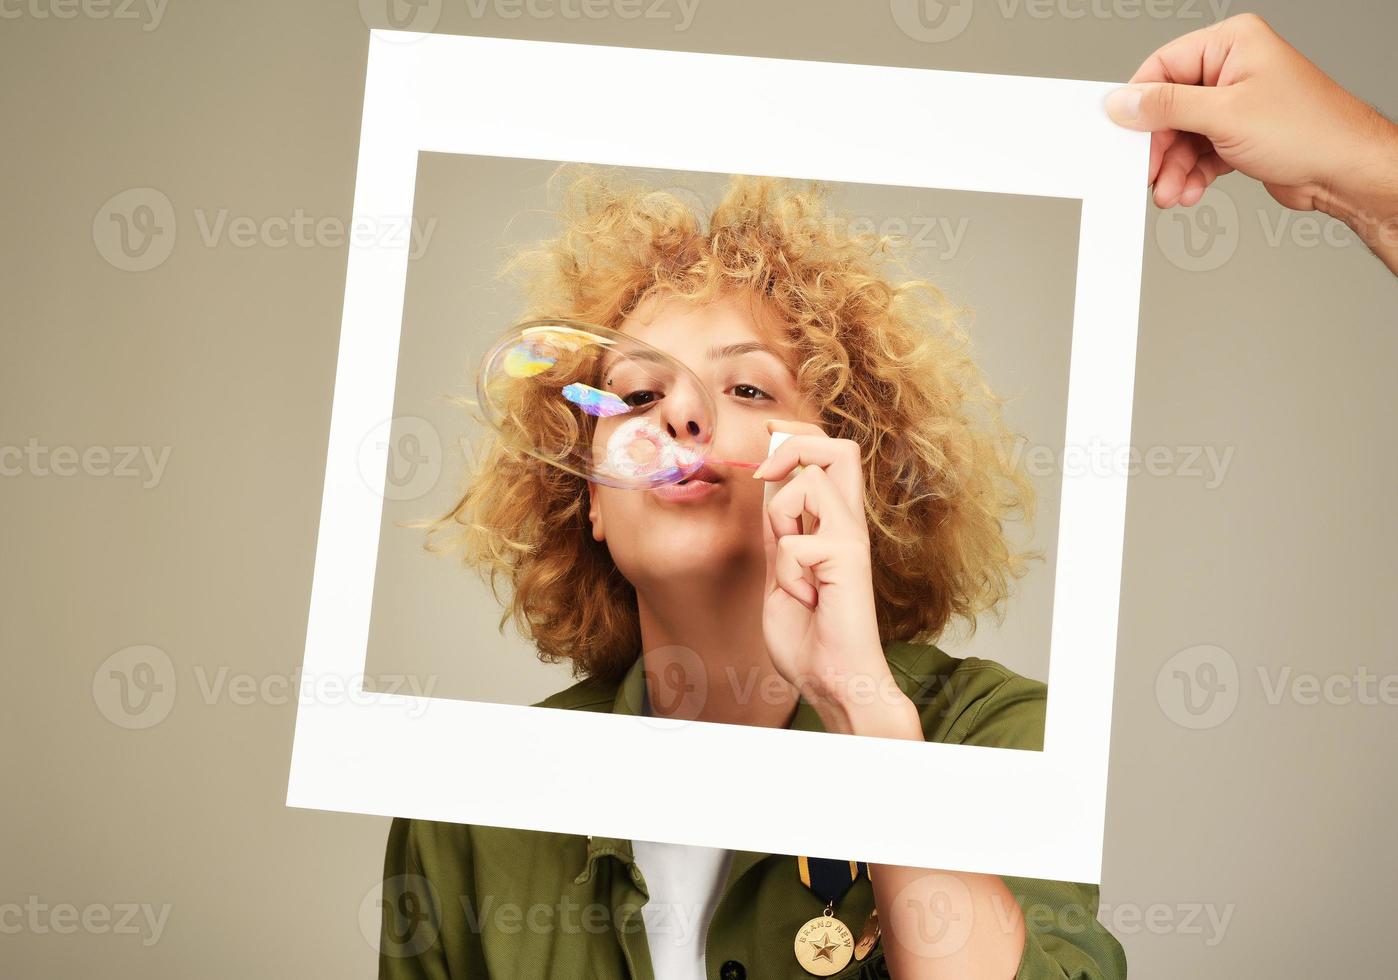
point(472, 901)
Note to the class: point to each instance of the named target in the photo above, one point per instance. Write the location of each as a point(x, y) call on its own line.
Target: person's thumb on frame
point(1153, 106)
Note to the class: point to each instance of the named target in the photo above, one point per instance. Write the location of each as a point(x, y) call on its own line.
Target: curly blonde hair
point(885, 360)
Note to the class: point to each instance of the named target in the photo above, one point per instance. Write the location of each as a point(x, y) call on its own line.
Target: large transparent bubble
point(597, 403)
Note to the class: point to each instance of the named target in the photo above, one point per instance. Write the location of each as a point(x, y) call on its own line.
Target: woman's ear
point(594, 513)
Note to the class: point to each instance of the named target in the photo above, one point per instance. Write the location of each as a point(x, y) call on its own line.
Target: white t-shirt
point(684, 882)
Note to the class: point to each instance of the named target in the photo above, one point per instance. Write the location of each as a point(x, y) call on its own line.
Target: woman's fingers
point(829, 488)
point(812, 491)
point(840, 458)
point(795, 554)
point(1155, 106)
point(1196, 58)
point(1160, 143)
point(1176, 167)
point(1186, 170)
point(1209, 168)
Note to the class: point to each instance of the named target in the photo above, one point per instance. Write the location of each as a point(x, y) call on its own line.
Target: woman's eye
point(751, 392)
point(639, 398)
point(645, 396)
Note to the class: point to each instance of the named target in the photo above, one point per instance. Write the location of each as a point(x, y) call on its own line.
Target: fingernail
point(757, 473)
point(1124, 104)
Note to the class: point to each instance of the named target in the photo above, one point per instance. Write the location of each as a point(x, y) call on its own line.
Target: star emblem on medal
point(824, 949)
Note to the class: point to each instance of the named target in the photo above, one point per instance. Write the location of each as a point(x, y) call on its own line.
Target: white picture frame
point(1031, 814)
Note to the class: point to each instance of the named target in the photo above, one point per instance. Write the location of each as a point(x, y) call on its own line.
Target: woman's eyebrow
point(610, 359)
point(736, 350)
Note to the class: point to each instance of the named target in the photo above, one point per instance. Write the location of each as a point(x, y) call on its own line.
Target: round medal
point(824, 946)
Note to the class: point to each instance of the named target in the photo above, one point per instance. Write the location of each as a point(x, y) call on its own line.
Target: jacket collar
point(631, 697)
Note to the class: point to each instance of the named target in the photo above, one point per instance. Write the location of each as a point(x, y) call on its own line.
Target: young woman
point(779, 620)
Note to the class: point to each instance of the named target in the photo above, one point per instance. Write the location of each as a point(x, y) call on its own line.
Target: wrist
point(1364, 193)
point(881, 710)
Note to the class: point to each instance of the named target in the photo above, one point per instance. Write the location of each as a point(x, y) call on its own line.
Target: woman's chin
point(691, 555)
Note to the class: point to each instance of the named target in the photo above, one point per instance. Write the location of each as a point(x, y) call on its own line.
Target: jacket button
point(732, 970)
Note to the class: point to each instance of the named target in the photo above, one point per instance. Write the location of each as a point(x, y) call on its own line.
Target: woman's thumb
point(1153, 106)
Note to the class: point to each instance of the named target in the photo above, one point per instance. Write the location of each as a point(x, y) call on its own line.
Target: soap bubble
point(596, 403)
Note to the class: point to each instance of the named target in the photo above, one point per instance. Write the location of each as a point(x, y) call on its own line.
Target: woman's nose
point(686, 417)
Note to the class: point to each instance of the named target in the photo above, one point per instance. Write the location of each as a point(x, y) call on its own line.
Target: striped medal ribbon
point(824, 945)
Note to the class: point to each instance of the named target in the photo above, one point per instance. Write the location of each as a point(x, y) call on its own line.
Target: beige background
point(1268, 336)
point(1012, 258)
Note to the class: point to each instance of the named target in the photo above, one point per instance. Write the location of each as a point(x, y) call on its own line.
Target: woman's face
point(706, 527)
